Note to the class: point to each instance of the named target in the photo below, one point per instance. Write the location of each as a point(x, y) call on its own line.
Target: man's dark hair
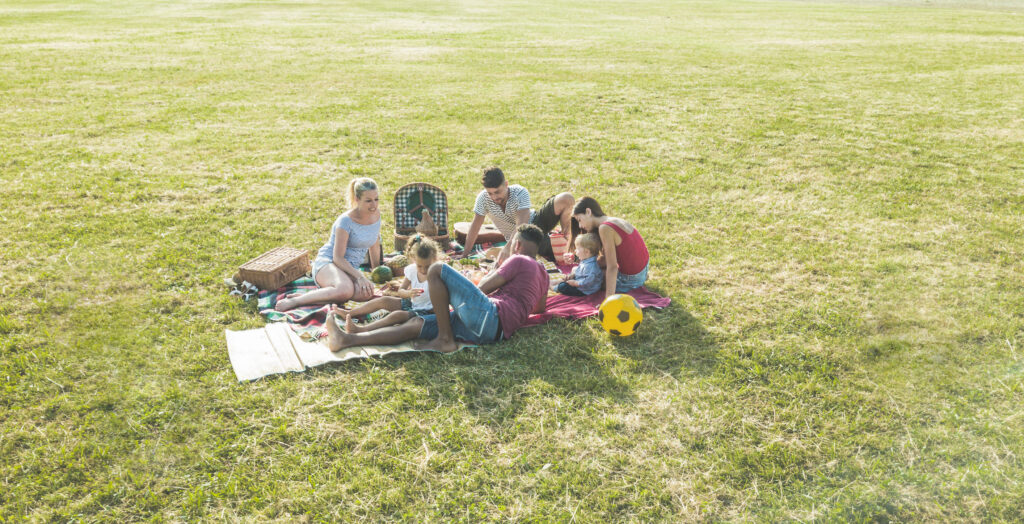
point(493, 177)
point(532, 234)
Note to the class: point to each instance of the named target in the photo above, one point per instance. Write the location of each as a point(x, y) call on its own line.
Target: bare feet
point(285, 304)
point(442, 346)
point(350, 325)
point(336, 338)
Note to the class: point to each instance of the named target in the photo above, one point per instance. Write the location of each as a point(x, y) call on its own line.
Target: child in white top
point(411, 299)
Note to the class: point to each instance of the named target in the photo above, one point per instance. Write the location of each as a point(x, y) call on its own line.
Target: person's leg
point(388, 303)
point(440, 299)
point(565, 289)
point(338, 339)
point(556, 211)
point(563, 205)
point(391, 319)
point(626, 283)
point(474, 317)
point(357, 295)
point(335, 287)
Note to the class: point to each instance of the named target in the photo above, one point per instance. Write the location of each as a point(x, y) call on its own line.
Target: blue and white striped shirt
point(504, 219)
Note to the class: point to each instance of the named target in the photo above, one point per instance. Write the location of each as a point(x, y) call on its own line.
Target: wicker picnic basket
point(275, 268)
point(410, 201)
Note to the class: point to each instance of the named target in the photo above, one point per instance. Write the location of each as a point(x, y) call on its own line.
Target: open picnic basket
point(410, 201)
point(275, 268)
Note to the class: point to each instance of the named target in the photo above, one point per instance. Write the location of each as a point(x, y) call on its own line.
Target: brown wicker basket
point(275, 268)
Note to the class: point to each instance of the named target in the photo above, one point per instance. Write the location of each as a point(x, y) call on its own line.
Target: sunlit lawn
point(833, 195)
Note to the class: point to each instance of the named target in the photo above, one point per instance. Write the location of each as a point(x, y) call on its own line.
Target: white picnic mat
point(275, 348)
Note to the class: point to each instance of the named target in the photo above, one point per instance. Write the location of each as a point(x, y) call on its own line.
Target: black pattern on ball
point(615, 332)
point(623, 316)
point(600, 316)
point(636, 325)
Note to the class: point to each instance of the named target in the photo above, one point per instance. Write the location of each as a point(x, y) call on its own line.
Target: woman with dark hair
point(625, 253)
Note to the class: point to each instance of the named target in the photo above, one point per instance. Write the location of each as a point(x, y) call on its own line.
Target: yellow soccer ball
point(620, 315)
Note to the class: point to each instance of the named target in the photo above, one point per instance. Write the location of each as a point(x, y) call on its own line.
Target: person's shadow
point(573, 360)
point(671, 342)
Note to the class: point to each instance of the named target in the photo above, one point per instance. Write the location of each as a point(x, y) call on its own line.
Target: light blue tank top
point(360, 239)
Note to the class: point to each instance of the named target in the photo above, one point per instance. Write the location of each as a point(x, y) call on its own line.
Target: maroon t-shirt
point(525, 282)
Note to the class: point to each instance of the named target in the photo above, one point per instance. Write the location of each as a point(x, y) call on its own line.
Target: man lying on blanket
point(481, 315)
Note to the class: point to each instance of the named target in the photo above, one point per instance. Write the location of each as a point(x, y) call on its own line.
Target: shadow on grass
point(669, 342)
point(575, 361)
point(496, 382)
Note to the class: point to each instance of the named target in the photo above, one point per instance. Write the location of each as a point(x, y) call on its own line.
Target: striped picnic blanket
point(307, 322)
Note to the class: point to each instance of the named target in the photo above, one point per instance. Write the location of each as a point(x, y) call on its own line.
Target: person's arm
point(611, 269)
point(492, 282)
point(522, 217)
point(406, 290)
point(542, 303)
point(340, 245)
point(375, 254)
point(474, 231)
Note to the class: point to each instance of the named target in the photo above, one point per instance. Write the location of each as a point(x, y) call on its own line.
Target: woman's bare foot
point(442, 346)
point(336, 338)
point(288, 302)
point(285, 304)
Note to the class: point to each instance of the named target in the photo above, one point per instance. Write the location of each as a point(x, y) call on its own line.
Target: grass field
point(833, 194)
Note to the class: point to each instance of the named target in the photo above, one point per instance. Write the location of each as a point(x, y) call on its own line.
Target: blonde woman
point(336, 266)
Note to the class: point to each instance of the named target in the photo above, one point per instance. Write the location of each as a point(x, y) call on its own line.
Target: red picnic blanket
point(582, 307)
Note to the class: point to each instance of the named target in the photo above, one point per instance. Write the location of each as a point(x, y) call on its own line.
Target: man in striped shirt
point(509, 207)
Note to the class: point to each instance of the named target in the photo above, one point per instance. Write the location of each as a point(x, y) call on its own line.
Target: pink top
point(525, 282)
point(632, 253)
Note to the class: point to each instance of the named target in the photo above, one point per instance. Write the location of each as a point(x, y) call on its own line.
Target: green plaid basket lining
point(406, 221)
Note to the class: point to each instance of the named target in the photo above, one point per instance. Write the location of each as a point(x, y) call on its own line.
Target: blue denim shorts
point(624, 283)
point(474, 317)
point(318, 264)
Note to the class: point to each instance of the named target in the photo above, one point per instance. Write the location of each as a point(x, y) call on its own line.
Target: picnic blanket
point(293, 340)
point(582, 307)
point(307, 322)
point(276, 348)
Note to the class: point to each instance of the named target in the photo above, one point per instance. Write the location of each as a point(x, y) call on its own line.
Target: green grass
point(833, 195)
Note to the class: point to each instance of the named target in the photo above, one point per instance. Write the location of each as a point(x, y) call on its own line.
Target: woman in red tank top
point(625, 253)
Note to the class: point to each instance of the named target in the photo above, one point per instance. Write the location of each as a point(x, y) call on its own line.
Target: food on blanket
point(381, 274)
point(620, 315)
point(397, 264)
point(427, 226)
